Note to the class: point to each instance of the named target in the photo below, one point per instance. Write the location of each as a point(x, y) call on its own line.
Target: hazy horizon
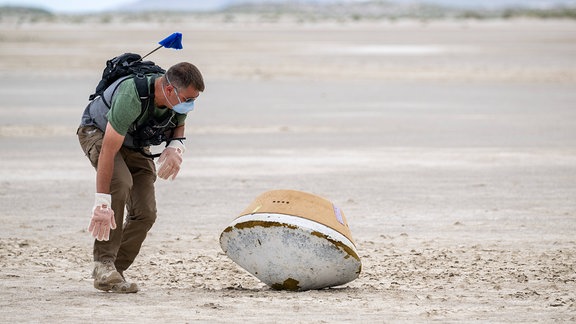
point(79, 6)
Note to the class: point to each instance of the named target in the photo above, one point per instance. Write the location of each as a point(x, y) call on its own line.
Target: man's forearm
point(179, 131)
point(110, 146)
point(104, 172)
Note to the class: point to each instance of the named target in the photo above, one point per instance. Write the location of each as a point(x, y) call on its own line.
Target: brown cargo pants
point(132, 188)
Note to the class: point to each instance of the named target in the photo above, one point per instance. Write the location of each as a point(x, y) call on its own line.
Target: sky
point(69, 6)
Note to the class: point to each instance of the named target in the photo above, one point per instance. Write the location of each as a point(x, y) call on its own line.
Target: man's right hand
point(102, 217)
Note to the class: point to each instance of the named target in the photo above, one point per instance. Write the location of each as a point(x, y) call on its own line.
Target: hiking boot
point(105, 275)
point(124, 287)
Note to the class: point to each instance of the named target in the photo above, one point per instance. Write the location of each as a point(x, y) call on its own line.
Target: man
point(117, 140)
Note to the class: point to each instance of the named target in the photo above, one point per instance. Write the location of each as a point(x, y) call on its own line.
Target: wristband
point(178, 145)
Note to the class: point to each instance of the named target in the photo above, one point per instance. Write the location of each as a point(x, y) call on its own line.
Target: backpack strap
point(146, 94)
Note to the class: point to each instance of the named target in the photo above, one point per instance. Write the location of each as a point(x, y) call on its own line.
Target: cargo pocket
point(90, 138)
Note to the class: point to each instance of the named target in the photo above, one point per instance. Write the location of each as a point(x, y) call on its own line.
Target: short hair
point(184, 74)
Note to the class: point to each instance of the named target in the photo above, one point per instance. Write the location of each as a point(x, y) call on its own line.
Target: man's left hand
point(170, 160)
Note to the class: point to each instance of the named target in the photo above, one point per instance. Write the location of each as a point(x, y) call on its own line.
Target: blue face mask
point(181, 107)
point(184, 107)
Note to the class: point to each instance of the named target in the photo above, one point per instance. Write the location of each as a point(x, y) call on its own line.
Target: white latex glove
point(170, 160)
point(102, 217)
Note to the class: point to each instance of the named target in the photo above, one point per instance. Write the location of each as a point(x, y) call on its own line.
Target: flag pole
point(173, 41)
point(157, 48)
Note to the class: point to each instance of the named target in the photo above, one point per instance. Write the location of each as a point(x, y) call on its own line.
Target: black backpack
point(131, 65)
point(121, 66)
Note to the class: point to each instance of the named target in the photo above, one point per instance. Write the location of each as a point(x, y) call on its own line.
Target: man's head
point(183, 75)
point(182, 83)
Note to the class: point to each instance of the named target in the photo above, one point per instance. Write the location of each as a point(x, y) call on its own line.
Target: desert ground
point(449, 145)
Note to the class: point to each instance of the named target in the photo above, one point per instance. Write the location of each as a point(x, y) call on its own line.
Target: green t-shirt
point(126, 107)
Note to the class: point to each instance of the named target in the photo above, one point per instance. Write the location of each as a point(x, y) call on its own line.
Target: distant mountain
point(177, 5)
point(495, 4)
point(217, 5)
point(212, 5)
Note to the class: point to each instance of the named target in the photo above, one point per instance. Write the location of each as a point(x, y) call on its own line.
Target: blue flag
point(173, 41)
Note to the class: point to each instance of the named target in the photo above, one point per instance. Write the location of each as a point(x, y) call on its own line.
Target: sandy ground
point(451, 147)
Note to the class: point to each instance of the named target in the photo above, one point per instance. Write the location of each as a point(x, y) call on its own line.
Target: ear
point(169, 88)
point(165, 82)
